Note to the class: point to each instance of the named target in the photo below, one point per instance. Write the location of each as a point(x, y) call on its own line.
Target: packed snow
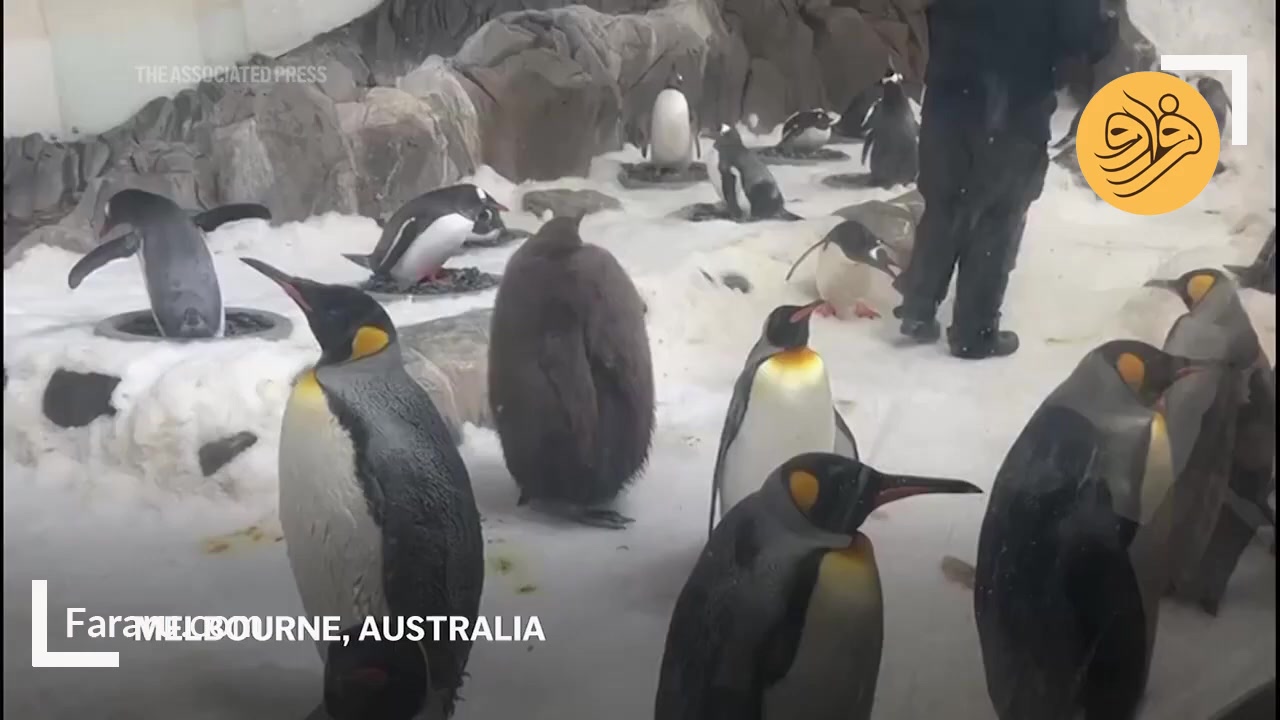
point(117, 516)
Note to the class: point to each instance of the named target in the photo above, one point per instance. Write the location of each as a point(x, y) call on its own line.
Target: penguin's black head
point(787, 327)
point(1192, 286)
point(837, 494)
point(859, 245)
point(374, 679)
point(479, 206)
point(130, 206)
point(1147, 370)
point(675, 80)
point(348, 324)
point(728, 137)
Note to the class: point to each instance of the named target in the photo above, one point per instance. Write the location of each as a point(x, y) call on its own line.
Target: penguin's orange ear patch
point(804, 489)
point(1132, 370)
point(1199, 286)
point(368, 341)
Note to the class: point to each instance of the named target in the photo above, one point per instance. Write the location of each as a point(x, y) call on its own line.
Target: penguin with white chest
point(429, 230)
point(743, 181)
point(807, 130)
point(781, 406)
point(376, 504)
point(673, 128)
point(853, 267)
point(782, 617)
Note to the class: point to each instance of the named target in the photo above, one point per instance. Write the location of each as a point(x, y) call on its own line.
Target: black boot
point(919, 328)
point(982, 344)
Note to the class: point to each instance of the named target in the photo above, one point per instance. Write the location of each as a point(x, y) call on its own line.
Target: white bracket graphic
point(40, 655)
point(1238, 66)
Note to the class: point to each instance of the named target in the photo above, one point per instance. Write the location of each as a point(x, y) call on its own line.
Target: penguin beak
point(803, 313)
point(498, 206)
point(1162, 284)
point(897, 487)
point(287, 282)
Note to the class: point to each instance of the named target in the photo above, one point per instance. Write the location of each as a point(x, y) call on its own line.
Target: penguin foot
point(863, 310)
point(826, 309)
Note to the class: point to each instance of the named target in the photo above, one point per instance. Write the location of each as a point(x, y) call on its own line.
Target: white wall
point(79, 66)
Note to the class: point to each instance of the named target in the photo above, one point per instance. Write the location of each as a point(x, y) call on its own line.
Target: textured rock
point(449, 357)
point(75, 399)
point(216, 454)
point(570, 203)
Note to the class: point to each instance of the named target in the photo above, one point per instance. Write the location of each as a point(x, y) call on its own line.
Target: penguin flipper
point(209, 220)
point(846, 445)
point(693, 132)
point(363, 261)
point(804, 255)
point(729, 181)
point(116, 248)
point(396, 245)
point(732, 423)
point(866, 145)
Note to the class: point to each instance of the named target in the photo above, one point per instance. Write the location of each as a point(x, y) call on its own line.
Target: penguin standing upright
point(1071, 554)
point(782, 617)
point(807, 130)
point(892, 137)
point(570, 375)
point(743, 181)
point(1220, 103)
point(1212, 299)
point(429, 230)
point(781, 406)
point(376, 504)
point(673, 128)
point(853, 266)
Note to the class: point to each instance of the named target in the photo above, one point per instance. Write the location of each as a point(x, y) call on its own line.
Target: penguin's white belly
point(334, 547)
point(811, 138)
point(837, 661)
point(842, 283)
point(790, 412)
point(670, 132)
point(432, 248)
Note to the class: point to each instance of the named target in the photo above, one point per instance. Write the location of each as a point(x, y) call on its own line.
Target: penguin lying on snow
point(673, 128)
point(1072, 551)
point(850, 255)
point(570, 375)
point(182, 285)
point(743, 181)
point(1222, 329)
point(781, 407)
point(429, 230)
point(782, 617)
point(807, 130)
point(376, 504)
point(892, 137)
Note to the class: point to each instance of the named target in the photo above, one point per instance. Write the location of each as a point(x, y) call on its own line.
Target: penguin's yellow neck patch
point(368, 341)
point(1198, 287)
point(804, 489)
point(855, 565)
point(1158, 477)
point(802, 365)
point(307, 386)
point(1132, 370)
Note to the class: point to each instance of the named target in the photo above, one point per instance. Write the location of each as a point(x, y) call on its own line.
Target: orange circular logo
point(1148, 143)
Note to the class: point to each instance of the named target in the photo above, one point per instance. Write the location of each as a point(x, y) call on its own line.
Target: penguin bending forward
point(743, 181)
point(892, 137)
point(1072, 551)
point(673, 127)
point(570, 375)
point(852, 263)
point(782, 617)
point(177, 267)
point(429, 230)
point(376, 504)
point(781, 406)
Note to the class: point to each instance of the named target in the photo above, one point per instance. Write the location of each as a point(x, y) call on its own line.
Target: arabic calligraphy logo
point(1148, 143)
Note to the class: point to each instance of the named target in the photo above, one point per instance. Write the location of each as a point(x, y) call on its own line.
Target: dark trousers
point(982, 163)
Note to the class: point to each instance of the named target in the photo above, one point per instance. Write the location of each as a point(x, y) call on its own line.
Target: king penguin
point(892, 137)
point(1213, 301)
point(781, 406)
point(376, 504)
point(570, 375)
point(673, 127)
point(1071, 555)
point(177, 267)
point(853, 267)
point(429, 230)
point(742, 180)
point(782, 617)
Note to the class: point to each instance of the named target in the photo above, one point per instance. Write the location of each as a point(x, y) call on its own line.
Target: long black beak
point(1170, 285)
point(897, 487)
point(804, 312)
point(288, 283)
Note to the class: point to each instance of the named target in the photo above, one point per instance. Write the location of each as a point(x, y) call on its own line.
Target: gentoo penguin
point(673, 128)
point(1261, 275)
point(807, 130)
point(782, 617)
point(1071, 562)
point(376, 504)
point(428, 230)
point(847, 267)
point(853, 121)
point(570, 375)
point(1223, 330)
point(781, 406)
point(366, 678)
point(1220, 103)
point(177, 266)
point(891, 137)
point(742, 181)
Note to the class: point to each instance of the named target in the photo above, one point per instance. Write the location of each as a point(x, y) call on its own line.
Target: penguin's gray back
point(756, 182)
point(181, 281)
point(570, 373)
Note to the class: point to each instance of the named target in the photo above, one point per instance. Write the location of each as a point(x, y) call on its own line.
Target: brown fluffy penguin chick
point(570, 375)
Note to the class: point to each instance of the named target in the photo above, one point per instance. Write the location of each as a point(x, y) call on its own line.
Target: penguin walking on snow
point(376, 504)
point(854, 266)
point(807, 130)
point(1072, 554)
point(782, 617)
point(743, 181)
point(673, 128)
point(892, 137)
point(429, 230)
point(570, 375)
point(781, 406)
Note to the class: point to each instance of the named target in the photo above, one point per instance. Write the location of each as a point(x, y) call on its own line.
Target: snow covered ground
point(115, 516)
